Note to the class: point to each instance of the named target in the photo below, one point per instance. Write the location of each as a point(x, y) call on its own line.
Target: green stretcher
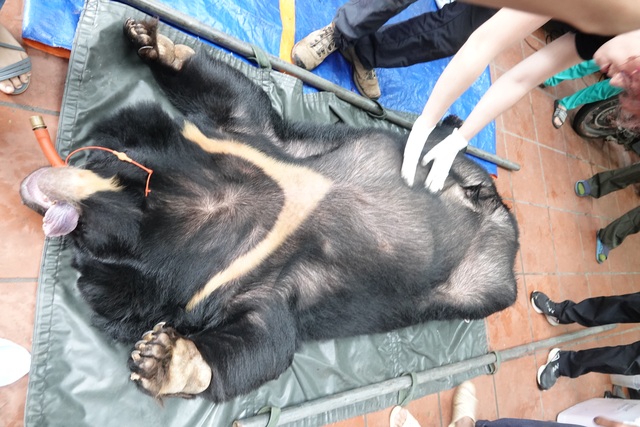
point(79, 377)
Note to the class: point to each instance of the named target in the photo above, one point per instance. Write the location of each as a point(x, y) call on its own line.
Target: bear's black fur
point(370, 255)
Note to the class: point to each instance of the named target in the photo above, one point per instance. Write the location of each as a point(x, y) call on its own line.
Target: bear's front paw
point(164, 363)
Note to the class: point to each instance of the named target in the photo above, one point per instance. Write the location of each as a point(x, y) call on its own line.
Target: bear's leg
point(154, 47)
point(255, 346)
point(210, 93)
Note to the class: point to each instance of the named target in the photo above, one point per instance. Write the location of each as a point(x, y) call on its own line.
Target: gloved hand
point(412, 151)
point(442, 156)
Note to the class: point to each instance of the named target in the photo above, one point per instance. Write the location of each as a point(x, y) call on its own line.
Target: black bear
point(240, 235)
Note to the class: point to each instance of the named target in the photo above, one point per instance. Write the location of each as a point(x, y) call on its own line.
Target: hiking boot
point(309, 52)
point(543, 305)
point(549, 373)
point(366, 80)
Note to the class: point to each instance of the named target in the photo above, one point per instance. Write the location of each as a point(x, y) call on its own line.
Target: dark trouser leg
point(601, 310)
point(622, 359)
point(359, 18)
point(517, 422)
point(606, 182)
point(613, 234)
point(426, 37)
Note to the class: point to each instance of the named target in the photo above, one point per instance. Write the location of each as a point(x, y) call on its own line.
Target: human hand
point(605, 422)
point(442, 155)
point(412, 151)
point(619, 56)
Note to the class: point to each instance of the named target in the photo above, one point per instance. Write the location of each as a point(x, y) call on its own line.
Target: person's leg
point(505, 28)
point(614, 234)
point(353, 20)
point(609, 181)
point(579, 70)
point(465, 406)
point(15, 65)
point(622, 359)
point(596, 92)
point(519, 80)
point(599, 311)
point(358, 18)
point(424, 38)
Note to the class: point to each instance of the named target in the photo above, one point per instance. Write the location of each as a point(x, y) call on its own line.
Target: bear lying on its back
point(258, 234)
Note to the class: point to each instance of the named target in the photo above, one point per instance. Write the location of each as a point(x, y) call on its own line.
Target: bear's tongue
point(60, 219)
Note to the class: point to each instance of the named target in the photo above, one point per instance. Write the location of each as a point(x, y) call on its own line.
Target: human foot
point(15, 65)
point(465, 405)
point(400, 417)
point(559, 115)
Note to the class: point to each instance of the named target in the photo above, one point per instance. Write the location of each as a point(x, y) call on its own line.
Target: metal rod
point(362, 394)
point(193, 26)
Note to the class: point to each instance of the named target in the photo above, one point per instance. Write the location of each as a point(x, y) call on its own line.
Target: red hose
point(44, 140)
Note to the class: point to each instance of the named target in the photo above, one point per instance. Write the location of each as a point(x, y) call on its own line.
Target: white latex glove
point(412, 151)
point(442, 156)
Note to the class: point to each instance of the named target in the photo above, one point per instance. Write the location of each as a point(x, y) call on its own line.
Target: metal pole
point(187, 23)
point(339, 400)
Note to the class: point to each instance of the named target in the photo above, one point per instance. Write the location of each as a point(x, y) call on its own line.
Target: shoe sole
point(537, 310)
point(575, 189)
point(600, 250)
point(550, 357)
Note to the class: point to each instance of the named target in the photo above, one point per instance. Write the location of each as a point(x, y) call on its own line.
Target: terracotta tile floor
point(557, 240)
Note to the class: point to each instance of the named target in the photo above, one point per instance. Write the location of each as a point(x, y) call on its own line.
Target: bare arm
point(608, 17)
point(502, 30)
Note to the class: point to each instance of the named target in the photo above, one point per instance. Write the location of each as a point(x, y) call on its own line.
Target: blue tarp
point(53, 23)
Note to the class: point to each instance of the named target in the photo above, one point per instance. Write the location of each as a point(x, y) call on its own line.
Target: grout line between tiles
point(29, 108)
point(440, 410)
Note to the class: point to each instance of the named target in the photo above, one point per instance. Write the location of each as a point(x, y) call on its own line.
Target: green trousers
point(607, 182)
point(596, 92)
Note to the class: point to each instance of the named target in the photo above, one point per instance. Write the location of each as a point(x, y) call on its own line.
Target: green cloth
point(596, 92)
